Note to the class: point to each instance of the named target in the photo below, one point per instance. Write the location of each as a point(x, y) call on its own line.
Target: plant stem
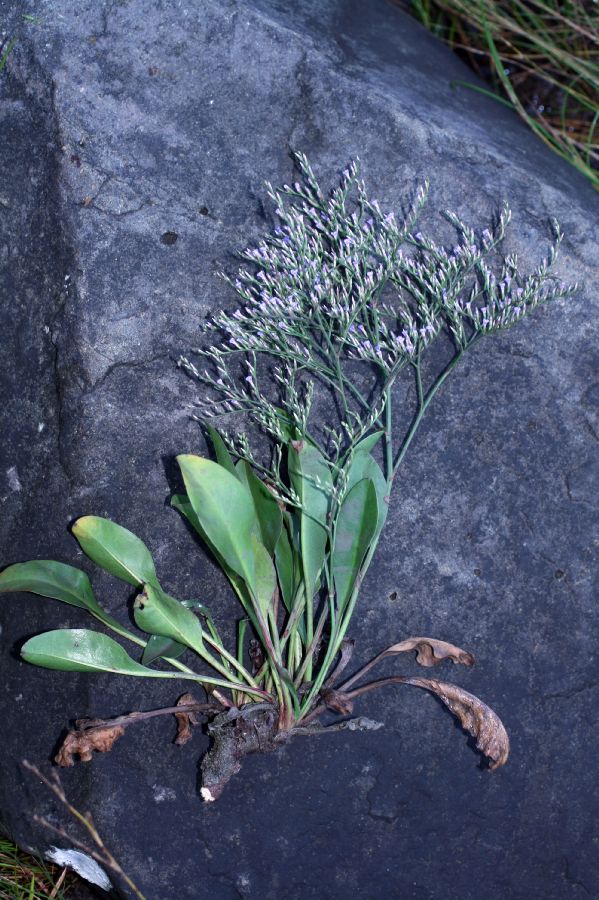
point(337, 639)
point(424, 404)
point(388, 437)
point(231, 659)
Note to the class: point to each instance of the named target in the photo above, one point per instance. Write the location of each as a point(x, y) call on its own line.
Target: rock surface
point(136, 140)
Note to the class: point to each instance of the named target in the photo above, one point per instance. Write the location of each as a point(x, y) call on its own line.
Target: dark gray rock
point(136, 139)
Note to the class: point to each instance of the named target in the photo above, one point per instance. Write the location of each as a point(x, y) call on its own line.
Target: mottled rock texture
point(136, 137)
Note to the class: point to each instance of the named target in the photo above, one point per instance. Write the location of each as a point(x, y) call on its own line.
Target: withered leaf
point(256, 654)
point(431, 652)
point(347, 649)
point(84, 739)
point(476, 718)
point(337, 701)
point(185, 720)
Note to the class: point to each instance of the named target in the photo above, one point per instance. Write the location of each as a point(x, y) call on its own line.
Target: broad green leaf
point(265, 580)
point(223, 457)
point(226, 513)
point(369, 442)
point(51, 579)
point(285, 565)
point(364, 466)
point(355, 528)
point(115, 549)
point(223, 508)
point(293, 519)
point(312, 482)
point(181, 503)
point(159, 647)
point(241, 472)
point(60, 582)
point(158, 613)
point(268, 511)
point(80, 650)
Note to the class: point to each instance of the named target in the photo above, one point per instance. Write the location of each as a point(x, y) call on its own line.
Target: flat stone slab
point(136, 138)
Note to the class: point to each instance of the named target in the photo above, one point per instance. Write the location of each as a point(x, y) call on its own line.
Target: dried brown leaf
point(256, 655)
point(431, 652)
point(476, 718)
point(347, 649)
point(84, 739)
point(337, 701)
point(185, 720)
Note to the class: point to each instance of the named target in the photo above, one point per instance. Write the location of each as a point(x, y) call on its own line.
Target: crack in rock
point(123, 364)
point(573, 691)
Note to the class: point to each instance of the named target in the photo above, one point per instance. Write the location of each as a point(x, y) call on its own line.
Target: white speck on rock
point(163, 793)
point(12, 476)
point(81, 863)
point(207, 795)
point(40, 427)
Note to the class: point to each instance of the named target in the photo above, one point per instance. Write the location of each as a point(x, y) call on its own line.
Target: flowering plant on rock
point(338, 304)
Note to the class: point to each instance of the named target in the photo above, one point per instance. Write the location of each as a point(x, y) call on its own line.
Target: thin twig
point(102, 855)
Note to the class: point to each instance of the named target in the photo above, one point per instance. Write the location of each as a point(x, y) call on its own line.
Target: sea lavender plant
point(337, 304)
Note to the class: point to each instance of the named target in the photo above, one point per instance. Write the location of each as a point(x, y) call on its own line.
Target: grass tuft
point(540, 56)
point(25, 877)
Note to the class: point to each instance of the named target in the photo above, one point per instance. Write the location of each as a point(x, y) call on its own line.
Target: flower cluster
point(340, 283)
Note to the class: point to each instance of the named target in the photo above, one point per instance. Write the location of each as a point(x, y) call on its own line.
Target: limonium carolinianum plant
point(340, 302)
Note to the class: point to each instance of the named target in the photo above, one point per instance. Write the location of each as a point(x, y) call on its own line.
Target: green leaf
point(181, 503)
point(158, 613)
point(285, 565)
point(268, 511)
point(223, 457)
point(265, 577)
point(226, 515)
point(369, 442)
point(363, 466)
point(51, 579)
point(116, 550)
point(355, 528)
point(241, 473)
point(223, 508)
point(311, 480)
point(60, 582)
point(159, 647)
point(80, 650)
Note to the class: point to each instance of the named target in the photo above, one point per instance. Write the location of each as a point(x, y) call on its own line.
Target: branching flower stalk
point(337, 304)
